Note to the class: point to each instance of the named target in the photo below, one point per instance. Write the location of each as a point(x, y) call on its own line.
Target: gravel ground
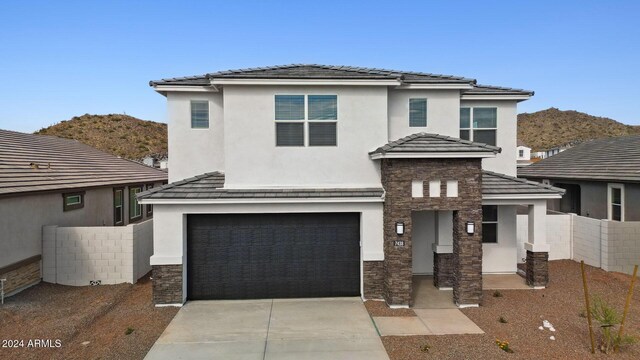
point(97, 314)
point(561, 303)
point(380, 308)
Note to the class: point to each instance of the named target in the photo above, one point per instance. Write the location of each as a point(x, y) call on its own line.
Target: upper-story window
point(417, 112)
point(199, 114)
point(479, 124)
point(314, 115)
point(521, 153)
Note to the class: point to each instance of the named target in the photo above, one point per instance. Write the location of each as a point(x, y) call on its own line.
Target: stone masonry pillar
point(537, 266)
point(467, 258)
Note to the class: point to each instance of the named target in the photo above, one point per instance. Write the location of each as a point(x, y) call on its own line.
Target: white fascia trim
point(419, 155)
point(165, 260)
point(170, 88)
point(520, 196)
point(372, 256)
point(435, 86)
point(261, 201)
point(495, 97)
point(304, 82)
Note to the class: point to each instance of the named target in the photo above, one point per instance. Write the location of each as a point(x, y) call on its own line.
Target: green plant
point(425, 348)
point(502, 320)
point(497, 294)
point(129, 331)
point(504, 345)
point(609, 319)
point(583, 314)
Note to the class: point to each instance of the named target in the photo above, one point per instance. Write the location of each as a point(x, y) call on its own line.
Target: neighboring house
point(601, 178)
point(315, 180)
point(553, 151)
point(45, 180)
point(524, 154)
point(157, 161)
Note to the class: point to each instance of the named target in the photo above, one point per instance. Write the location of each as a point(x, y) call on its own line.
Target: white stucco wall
point(443, 112)
point(194, 151)
point(253, 160)
point(109, 254)
point(506, 136)
point(501, 257)
point(526, 153)
point(422, 239)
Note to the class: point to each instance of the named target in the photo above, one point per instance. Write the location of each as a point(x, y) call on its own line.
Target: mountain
point(552, 127)
point(121, 135)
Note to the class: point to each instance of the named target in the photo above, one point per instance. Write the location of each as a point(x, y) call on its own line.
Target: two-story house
point(314, 180)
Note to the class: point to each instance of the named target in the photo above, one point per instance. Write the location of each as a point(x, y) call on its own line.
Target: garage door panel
point(273, 256)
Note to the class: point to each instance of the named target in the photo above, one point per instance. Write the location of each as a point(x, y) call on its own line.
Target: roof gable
point(433, 145)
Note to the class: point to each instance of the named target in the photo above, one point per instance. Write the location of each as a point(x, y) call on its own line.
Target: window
point(316, 115)
point(199, 114)
point(135, 208)
point(616, 202)
point(118, 206)
point(452, 188)
point(520, 153)
point(434, 188)
point(490, 224)
point(479, 124)
point(417, 112)
point(149, 207)
point(417, 188)
point(72, 201)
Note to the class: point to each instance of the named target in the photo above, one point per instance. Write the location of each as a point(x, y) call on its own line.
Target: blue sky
point(66, 58)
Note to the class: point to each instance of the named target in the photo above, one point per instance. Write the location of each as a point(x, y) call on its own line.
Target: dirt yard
point(562, 304)
point(99, 322)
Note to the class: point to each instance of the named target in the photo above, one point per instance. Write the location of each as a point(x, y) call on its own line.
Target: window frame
point(471, 129)
point(426, 112)
point(610, 204)
point(191, 102)
point(306, 121)
point(496, 222)
point(75, 206)
point(132, 217)
point(115, 208)
point(149, 207)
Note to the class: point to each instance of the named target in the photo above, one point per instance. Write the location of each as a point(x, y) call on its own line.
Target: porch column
point(443, 251)
point(467, 258)
point(537, 266)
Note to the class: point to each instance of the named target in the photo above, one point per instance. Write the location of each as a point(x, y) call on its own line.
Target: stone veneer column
point(443, 270)
point(537, 269)
point(373, 279)
point(167, 284)
point(467, 258)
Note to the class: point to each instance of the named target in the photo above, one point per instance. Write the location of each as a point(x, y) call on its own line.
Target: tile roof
point(433, 143)
point(496, 90)
point(315, 71)
point(30, 163)
point(209, 186)
point(608, 159)
point(501, 184)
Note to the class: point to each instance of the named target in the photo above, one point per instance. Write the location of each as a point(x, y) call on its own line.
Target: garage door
point(260, 256)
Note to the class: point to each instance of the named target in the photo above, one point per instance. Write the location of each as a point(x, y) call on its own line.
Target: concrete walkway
point(331, 328)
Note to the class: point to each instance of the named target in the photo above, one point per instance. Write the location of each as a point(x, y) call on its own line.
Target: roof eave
point(432, 155)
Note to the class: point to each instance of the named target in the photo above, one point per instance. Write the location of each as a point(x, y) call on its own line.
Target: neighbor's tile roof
point(209, 186)
point(433, 143)
point(609, 159)
point(30, 163)
point(495, 183)
point(496, 90)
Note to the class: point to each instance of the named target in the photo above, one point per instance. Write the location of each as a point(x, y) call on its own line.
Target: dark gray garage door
point(260, 256)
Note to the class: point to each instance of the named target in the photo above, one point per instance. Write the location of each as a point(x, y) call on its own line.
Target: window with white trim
point(199, 114)
point(479, 124)
point(313, 115)
point(72, 201)
point(418, 112)
point(490, 224)
point(616, 202)
point(135, 208)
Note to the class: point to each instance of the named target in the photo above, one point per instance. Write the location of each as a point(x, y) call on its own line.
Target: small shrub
point(609, 319)
point(504, 345)
point(502, 320)
point(582, 314)
point(497, 294)
point(425, 348)
point(129, 331)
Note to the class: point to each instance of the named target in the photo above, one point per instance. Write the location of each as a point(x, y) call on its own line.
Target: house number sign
point(398, 243)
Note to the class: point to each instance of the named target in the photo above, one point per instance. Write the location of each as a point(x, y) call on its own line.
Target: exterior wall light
point(399, 228)
point(471, 227)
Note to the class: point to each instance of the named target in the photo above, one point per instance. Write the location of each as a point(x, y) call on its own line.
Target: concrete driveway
point(328, 328)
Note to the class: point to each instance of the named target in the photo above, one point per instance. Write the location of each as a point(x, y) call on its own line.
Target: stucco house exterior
point(317, 180)
point(524, 154)
point(601, 178)
point(45, 180)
